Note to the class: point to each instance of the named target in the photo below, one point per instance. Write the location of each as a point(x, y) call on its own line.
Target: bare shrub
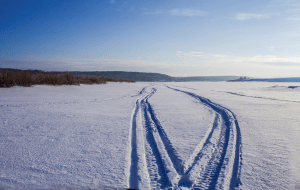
point(29, 78)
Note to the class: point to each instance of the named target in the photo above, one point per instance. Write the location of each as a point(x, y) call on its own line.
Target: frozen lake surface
point(196, 135)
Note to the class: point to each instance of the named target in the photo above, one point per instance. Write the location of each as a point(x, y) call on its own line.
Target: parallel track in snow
point(259, 97)
point(154, 163)
point(138, 93)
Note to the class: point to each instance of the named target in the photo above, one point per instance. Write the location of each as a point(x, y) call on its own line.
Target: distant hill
point(136, 76)
point(206, 78)
point(291, 79)
point(157, 77)
point(154, 77)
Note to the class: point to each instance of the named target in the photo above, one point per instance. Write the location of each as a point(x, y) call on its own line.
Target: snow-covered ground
point(196, 135)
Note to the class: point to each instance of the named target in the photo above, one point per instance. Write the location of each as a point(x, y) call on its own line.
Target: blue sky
point(258, 38)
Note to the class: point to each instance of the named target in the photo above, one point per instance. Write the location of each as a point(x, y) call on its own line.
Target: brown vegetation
point(9, 78)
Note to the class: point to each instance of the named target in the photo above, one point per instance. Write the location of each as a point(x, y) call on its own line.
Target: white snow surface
point(184, 119)
point(148, 136)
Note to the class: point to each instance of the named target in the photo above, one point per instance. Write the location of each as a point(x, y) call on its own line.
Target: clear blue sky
point(258, 38)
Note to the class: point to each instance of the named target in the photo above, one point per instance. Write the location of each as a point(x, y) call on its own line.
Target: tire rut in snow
point(155, 163)
point(196, 164)
point(155, 159)
point(215, 163)
point(260, 97)
point(221, 168)
point(212, 170)
point(177, 163)
point(133, 178)
point(138, 93)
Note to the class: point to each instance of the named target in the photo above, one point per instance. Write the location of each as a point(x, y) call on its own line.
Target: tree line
point(27, 78)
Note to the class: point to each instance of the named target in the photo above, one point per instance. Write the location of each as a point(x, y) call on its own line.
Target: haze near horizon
point(173, 37)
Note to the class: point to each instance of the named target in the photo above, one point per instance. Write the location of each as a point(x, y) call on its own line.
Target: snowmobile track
point(214, 164)
point(224, 167)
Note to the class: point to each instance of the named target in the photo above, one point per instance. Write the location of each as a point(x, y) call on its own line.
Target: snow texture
point(196, 135)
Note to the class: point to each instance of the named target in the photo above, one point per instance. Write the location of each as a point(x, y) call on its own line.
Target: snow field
point(222, 170)
point(218, 154)
point(151, 136)
point(76, 142)
point(270, 129)
point(184, 119)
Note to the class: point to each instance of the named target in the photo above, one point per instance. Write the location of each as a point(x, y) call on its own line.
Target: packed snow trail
point(223, 168)
point(153, 148)
point(154, 164)
point(237, 94)
point(138, 93)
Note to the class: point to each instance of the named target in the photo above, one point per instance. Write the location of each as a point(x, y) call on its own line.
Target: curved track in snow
point(260, 97)
point(138, 93)
point(154, 163)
